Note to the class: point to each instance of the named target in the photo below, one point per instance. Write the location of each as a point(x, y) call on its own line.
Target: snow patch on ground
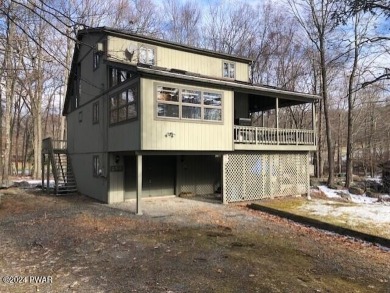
point(332, 193)
point(30, 183)
point(361, 209)
point(357, 213)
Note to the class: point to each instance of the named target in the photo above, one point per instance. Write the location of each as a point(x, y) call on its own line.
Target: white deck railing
point(273, 136)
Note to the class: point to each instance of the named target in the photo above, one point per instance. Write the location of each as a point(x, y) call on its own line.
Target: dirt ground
point(178, 245)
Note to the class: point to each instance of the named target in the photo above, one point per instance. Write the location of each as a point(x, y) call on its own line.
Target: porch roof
point(253, 90)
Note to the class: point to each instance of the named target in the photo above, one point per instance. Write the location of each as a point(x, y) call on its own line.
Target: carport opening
point(199, 177)
point(187, 176)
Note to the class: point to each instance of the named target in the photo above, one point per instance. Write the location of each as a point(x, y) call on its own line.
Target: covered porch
point(274, 120)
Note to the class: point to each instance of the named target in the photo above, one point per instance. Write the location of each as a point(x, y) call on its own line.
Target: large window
point(146, 55)
point(123, 105)
point(191, 104)
point(229, 69)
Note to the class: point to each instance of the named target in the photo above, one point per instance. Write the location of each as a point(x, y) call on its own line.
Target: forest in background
point(337, 49)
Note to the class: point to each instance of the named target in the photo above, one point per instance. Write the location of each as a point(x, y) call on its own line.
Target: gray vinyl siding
point(95, 187)
point(93, 82)
point(124, 137)
point(115, 175)
point(84, 136)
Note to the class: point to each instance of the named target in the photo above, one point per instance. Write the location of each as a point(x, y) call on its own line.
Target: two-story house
point(147, 117)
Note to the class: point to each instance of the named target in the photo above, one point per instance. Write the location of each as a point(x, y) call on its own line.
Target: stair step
point(66, 182)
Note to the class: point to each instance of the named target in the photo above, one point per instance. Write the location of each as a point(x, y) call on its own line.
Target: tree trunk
point(9, 87)
point(350, 143)
point(1, 137)
point(328, 129)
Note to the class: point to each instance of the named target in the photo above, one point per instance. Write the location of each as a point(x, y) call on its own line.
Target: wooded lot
point(337, 49)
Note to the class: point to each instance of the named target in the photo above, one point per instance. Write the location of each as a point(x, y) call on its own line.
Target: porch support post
point(223, 178)
point(139, 184)
point(262, 118)
point(277, 120)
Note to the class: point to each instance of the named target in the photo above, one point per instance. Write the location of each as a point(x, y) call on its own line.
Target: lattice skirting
point(253, 176)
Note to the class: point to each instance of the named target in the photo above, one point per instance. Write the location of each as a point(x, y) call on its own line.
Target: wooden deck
point(263, 138)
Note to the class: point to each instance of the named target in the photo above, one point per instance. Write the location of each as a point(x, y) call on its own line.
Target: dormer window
point(146, 55)
point(229, 70)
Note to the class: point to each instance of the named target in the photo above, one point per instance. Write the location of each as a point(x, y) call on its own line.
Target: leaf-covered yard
point(178, 245)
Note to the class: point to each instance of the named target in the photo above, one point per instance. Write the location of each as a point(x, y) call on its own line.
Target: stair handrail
point(62, 167)
point(49, 142)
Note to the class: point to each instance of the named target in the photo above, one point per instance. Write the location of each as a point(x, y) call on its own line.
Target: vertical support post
point(262, 118)
point(178, 182)
point(256, 135)
point(48, 174)
point(139, 184)
point(308, 175)
point(223, 178)
point(43, 171)
point(277, 120)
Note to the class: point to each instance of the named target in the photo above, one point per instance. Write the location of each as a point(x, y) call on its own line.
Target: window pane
point(96, 60)
point(142, 58)
point(114, 102)
point(231, 70)
point(122, 112)
point(225, 69)
point(191, 112)
point(114, 116)
point(212, 114)
point(114, 79)
point(131, 111)
point(192, 97)
point(130, 96)
point(122, 99)
point(167, 94)
point(150, 56)
point(212, 99)
point(121, 76)
point(167, 110)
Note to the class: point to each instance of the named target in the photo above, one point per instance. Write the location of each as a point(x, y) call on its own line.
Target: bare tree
point(356, 49)
point(348, 9)
point(10, 80)
point(137, 16)
point(315, 17)
point(181, 22)
point(230, 29)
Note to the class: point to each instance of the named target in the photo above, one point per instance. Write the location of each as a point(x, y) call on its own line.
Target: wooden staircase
point(57, 162)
